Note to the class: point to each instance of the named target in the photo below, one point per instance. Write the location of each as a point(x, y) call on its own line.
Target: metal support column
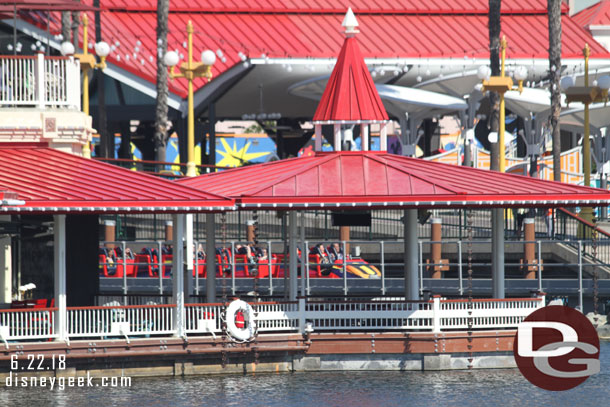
point(210, 250)
point(59, 249)
point(189, 255)
point(304, 251)
point(292, 250)
point(178, 276)
point(410, 255)
point(497, 252)
point(580, 291)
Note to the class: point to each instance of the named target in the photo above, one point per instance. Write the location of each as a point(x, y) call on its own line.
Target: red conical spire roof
point(350, 93)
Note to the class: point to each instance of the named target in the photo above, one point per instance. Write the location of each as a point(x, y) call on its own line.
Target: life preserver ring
point(244, 328)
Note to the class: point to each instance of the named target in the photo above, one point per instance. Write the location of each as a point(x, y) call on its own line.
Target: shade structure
point(308, 29)
point(529, 101)
point(52, 181)
point(372, 179)
point(573, 118)
point(350, 93)
point(400, 99)
point(396, 99)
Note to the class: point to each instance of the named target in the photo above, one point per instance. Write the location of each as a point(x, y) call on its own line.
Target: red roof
point(378, 179)
point(52, 180)
point(350, 93)
point(597, 14)
point(312, 6)
point(7, 196)
point(312, 29)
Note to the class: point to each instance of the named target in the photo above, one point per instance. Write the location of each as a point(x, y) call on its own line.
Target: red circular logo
point(556, 348)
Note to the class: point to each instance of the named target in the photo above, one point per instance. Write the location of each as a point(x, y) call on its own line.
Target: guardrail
point(131, 320)
point(30, 324)
point(115, 321)
point(496, 314)
point(234, 274)
point(39, 81)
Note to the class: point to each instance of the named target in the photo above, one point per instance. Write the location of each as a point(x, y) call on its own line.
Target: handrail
point(491, 300)
point(7, 310)
point(208, 304)
point(118, 306)
point(584, 222)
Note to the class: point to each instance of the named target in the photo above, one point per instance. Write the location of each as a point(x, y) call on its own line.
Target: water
point(332, 389)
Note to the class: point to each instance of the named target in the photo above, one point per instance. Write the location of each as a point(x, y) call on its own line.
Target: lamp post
point(87, 62)
point(501, 84)
point(586, 95)
point(191, 70)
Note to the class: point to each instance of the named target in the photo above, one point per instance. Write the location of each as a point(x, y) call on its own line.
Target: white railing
point(387, 315)
point(203, 318)
point(125, 321)
point(40, 81)
point(436, 315)
point(270, 317)
point(27, 324)
point(500, 314)
point(278, 316)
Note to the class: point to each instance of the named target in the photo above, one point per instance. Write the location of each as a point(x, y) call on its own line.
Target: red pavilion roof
point(378, 179)
point(53, 181)
point(350, 93)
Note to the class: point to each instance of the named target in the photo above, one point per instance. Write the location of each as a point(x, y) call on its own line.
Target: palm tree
point(65, 25)
point(161, 134)
point(555, 74)
point(494, 61)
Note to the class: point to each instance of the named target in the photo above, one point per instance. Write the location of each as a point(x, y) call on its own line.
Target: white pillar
point(59, 265)
point(364, 137)
point(189, 255)
point(6, 270)
point(497, 252)
point(410, 255)
point(383, 137)
point(318, 144)
point(73, 83)
point(210, 250)
point(178, 276)
point(337, 130)
point(293, 276)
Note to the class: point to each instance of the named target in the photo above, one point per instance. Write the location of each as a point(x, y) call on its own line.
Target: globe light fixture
point(67, 48)
point(190, 70)
point(484, 73)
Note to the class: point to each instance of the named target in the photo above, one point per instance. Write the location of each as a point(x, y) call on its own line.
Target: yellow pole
point(85, 70)
point(190, 165)
point(502, 123)
point(86, 147)
point(586, 212)
point(586, 144)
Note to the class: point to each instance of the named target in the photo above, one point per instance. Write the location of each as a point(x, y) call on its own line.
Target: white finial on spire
point(350, 23)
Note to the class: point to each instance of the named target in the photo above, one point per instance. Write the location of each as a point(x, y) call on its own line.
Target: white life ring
point(249, 330)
